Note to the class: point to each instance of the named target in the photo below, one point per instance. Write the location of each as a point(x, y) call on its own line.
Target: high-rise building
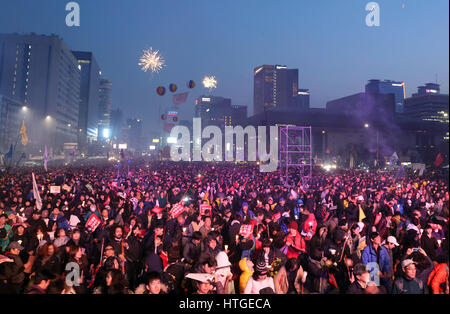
point(10, 121)
point(116, 123)
point(89, 97)
point(42, 73)
point(275, 86)
point(104, 110)
point(389, 87)
point(428, 105)
point(214, 110)
point(134, 135)
point(429, 88)
point(303, 98)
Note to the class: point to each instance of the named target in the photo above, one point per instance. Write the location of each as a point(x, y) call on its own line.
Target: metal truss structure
point(295, 152)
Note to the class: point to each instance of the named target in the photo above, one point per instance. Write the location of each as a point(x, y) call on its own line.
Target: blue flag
point(8, 155)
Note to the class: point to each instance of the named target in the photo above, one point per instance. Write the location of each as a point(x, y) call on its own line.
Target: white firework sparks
point(152, 60)
point(210, 82)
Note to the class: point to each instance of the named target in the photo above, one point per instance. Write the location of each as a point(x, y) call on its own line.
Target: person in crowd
point(116, 226)
point(408, 283)
point(361, 278)
point(260, 281)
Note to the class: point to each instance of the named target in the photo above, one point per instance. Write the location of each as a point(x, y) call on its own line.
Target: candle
point(439, 242)
point(184, 229)
point(226, 247)
point(237, 237)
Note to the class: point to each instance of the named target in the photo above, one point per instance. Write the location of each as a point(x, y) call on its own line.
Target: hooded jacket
point(438, 277)
point(245, 276)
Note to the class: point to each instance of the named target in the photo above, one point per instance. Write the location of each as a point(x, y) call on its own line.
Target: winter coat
point(370, 256)
point(405, 285)
point(438, 277)
point(245, 276)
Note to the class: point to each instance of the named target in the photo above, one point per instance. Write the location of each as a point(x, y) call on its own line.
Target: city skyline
point(314, 38)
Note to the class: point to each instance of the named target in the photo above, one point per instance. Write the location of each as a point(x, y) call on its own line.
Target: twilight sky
point(327, 40)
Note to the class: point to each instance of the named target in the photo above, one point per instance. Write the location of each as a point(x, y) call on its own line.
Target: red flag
point(179, 99)
point(246, 230)
point(177, 209)
point(439, 160)
point(436, 226)
point(93, 222)
point(276, 216)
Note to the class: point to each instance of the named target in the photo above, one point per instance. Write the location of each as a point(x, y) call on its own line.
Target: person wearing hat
point(295, 243)
point(390, 244)
point(378, 254)
point(260, 280)
point(407, 283)
point(224, 274)
point(361, 279)
point(246, 267)
point(245, 213)
point(18, 276)
point(204, 283)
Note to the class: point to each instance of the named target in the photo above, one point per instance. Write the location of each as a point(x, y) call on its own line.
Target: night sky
point(327, 40)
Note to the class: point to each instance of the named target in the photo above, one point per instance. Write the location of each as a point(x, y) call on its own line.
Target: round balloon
point(173, 88)
point(161, 90)
point(191, 84)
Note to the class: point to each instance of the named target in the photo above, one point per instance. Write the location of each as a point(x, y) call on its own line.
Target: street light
point(24, 108)
point(366, 125)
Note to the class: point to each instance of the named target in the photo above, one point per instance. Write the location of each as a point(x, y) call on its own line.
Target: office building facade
point(42, 73)
point(428, 105)
point(104, 110)
point(89, 97)
point(389, 87)
point(275, 86)
point(219, 111)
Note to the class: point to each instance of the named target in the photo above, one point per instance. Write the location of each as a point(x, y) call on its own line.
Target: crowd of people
point(222, 228)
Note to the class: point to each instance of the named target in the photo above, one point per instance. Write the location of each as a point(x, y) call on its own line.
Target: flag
point(23, 132)
point(36, 194)
point(361, 214)
point(439, 160)
point(177, 209)
point(246, 230)
point(45, 158)
point(179, 99)
point(204, 208)
point(93, 222)
point(276, 216)
point(8, 155)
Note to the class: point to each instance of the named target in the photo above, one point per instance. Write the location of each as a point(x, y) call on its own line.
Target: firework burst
point(210, 82)
point(152, 60)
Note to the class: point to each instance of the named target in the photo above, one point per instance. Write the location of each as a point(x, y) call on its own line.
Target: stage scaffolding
point(295, 152)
